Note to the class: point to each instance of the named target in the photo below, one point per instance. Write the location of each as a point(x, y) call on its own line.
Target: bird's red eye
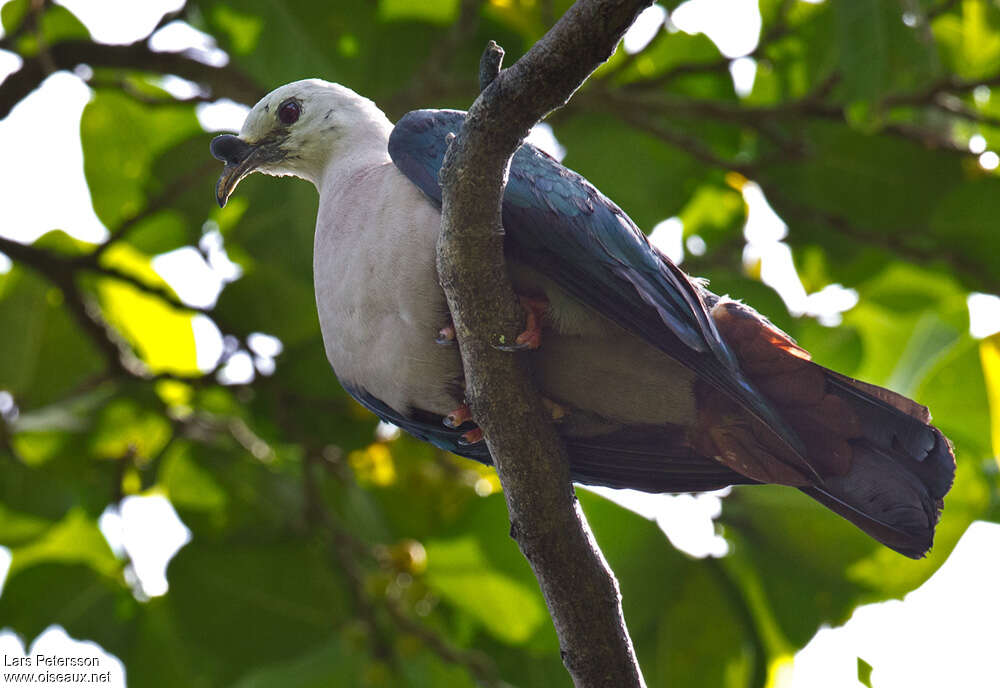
point(288, 112)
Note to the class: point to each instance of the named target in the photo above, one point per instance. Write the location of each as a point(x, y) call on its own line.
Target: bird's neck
point(365, 147)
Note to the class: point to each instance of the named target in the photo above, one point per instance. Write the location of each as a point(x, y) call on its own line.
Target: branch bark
point(581, 592)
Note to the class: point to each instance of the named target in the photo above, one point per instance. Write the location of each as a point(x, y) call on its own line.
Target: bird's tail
point(901, 468)
point(879, 462)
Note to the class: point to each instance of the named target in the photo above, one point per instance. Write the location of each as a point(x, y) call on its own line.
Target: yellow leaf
point(374, 465)
point(989, 355)
point(161, 334)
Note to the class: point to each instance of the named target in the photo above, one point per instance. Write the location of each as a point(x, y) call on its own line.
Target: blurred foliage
point(322, 555)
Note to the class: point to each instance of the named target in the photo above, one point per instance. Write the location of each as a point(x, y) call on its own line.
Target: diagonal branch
point(579, 588)
point(222, 82)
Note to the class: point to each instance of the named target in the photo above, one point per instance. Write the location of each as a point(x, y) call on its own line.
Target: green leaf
point(243, 29)
point(905, 318)
point(13, 13)
point(864, 672)
point(48, 472)
point(434, 11)
point(970, 42)
point(75, 596)
point(239, 604)
point(879, 52)
point(459, 572)
point(713, 213)
point(668, 51)
point(803, 58)
point(861, 32)
point(955, 390)
point(647, 178)
point(161, 232)
point(312, 669)
point(125, 428)
point(348, 44)
point(74, 540)
point(121, 139)
point(37, 366)
point(855, 179)
point(17, 528)
point(187, 484)
point(59, 24)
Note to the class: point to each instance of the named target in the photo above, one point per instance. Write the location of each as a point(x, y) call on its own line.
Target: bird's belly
point(379, 303)
point(381, 337)
point(380, 309)
point(398, 363)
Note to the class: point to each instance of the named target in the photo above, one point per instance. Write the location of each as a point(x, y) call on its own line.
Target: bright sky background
point(941, 634)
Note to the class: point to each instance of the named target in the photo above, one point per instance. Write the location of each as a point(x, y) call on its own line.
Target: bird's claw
point(446, 336)
point(458, 417)
point(513, 348)
point(473, 436)
point(531, 338)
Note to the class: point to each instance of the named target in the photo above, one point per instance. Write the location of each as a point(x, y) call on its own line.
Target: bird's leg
point(531, 338)
point(463, 415)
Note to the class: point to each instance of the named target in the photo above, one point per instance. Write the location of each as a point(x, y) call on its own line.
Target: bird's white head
point(296, 130)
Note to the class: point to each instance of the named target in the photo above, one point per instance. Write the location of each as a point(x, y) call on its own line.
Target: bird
point(653, 382)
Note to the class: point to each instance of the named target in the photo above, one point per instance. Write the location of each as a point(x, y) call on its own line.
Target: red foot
point(534, 308)
point(529, 340)
point(446, 335)
point(472, 436)
point(458, 416)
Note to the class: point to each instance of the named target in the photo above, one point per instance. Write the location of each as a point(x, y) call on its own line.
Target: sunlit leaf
point(864, 672)
point(13, 13)
point(188, 485)
point(124, 428)
point(989, 354)
point(74, 540)
point(970, 40)
point(161, 333)
point(458, 571)
point(437, 11)
point(121, 138)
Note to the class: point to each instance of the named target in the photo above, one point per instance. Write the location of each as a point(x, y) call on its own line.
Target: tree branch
point(223, 82)
point(579, 588)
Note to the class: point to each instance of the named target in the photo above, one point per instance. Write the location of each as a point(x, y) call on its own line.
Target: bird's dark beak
point(241, 159)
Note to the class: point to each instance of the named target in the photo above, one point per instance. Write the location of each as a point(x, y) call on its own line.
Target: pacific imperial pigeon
point(654, 382)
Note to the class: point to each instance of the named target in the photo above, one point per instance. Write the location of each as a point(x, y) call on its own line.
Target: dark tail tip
point(896, 499)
